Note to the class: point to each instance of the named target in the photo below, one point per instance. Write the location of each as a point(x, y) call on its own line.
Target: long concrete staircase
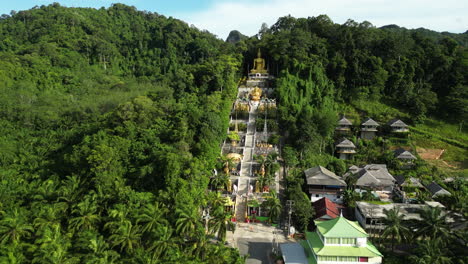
point(246, 167)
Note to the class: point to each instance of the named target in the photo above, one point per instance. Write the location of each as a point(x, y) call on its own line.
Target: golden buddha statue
point(259, 64)
point(256, 94)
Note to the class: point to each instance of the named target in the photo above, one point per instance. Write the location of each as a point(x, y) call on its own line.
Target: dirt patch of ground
point(430, 154)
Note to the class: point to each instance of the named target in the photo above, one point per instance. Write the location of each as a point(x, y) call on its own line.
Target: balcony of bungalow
point(343, 128)
point(398, 126)
point(369, 128)
point(346, 150)
point(400, 129)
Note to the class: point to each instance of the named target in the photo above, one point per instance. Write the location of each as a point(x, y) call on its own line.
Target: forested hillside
point(325, 70)
point(111, 121)
point(404, 68)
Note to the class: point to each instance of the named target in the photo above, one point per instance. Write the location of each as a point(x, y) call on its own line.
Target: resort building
point(398, 126)
point(406, 157)
point(344, 126)
point(375, 177)
point(345, 149)
point(369, 129)
point(436, 190)
point(372, 216)
point(324, 183)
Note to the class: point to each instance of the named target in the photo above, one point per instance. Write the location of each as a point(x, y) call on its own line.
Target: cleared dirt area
point(430, 154)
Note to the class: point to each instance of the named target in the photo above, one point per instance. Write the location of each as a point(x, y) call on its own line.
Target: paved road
point(258, 249)
point(256, 241)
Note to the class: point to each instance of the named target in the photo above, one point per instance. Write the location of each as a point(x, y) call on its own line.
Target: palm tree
point(216, 200)
point(127, 236)
point(395, 226)
point(187, 222)
point(118, 216)
point(260, 159)
point(350, 197)
point(271, 163)
point(200, 246)
point(220, 180)
point(431, 251)
point(13, 227)
point(161, 246)
point(87, 216)
point(53, 246)
point(101, 253)
point(351, 181)
point(274, 205)
point(152, 216)
point(433, 224)
point(49, 215)
point(220, 223)
point(69, 190)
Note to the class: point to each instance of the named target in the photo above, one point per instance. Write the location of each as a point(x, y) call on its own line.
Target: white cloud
point(222, 17)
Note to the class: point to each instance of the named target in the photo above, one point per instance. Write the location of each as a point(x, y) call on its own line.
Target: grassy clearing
point(453, 159)
point(378, 111)
point(443, 129)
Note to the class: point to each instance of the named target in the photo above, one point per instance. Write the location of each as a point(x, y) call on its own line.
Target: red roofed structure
point(325, 209)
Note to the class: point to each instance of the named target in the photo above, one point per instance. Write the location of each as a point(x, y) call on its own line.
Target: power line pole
point(289, 205)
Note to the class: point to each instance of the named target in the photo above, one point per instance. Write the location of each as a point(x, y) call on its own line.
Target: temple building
point(339, 241)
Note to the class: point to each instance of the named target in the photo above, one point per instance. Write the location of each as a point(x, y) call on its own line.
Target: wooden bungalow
point(398, 126)
point(369, 129)
point(345, 149)
point(344, 126)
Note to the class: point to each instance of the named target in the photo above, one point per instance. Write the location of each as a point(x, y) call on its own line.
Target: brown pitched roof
point(326, 207)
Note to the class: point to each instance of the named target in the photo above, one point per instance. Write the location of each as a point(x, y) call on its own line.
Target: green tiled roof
point(319, 249)
point(310, 256)
point(340, 227)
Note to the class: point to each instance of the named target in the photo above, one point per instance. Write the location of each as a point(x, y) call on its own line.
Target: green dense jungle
point(111, 121)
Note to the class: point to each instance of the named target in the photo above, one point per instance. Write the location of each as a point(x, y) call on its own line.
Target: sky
point(222, 16)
